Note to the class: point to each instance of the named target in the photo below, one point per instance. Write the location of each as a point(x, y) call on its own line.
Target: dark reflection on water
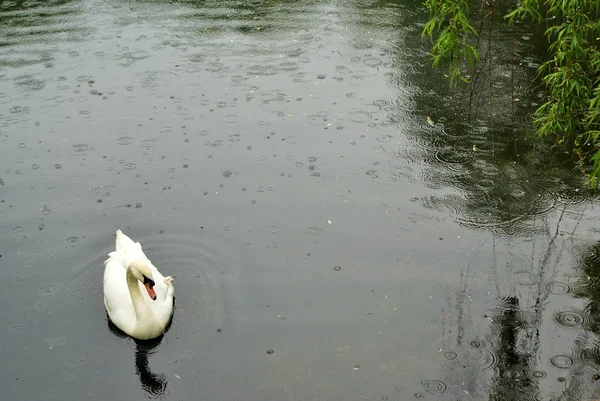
point(29, 30)
point(155, 385)
point(513, 356)
point(336, 227)
point(515, 363)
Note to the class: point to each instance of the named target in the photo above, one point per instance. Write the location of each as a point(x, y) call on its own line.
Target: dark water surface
point(327, 242)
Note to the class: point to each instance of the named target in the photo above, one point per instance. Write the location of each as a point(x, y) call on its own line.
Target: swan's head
point(143, 273)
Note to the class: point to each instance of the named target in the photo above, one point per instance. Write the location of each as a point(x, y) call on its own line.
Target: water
point(328, 242)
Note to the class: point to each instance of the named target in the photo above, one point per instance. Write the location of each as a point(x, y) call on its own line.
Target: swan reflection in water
point(155, 385)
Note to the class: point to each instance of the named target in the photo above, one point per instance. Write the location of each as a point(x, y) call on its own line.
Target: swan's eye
point(148, 281)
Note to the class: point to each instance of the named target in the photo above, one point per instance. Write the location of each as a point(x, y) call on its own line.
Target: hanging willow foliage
point(570, 111)
point(450, 23)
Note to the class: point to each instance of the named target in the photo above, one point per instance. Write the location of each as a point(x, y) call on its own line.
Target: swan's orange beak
point(150, 290)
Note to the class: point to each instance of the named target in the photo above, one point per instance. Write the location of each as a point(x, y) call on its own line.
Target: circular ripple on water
point(517, 193)
point(197, 58)
point(526, 278)
point(571, 319)
point(478, 343)
point(256, 70)
point(485, 184)
point(538, 374)
point(319, 118)
point(136, 55)
point(434, 386)
point(360, 116)
point(123, 21)
point(558, 288)
point(484, 216)
point(216, 67)
point(148, 143)
point(122, 210)
point(384, 138)
point(372, 62)
point(29, 82)
point(488, 360)
point(48, 289)
point(80, 148)
point(125, 140)
point(362, 44)
point(230, 118)
point(450, 355)
point(561, 361)
point(490, 170)
point(289, 66)
point(516, 372)
point(579, 280)
point(207, 270)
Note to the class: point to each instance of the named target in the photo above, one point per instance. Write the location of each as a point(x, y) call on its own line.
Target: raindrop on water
point(525, 278)
point(558, 288)
point(125, 140)
point(148, 143)
point(47, 289)
point(450, 355)
point(561, 361)
point(434, 386)
point(80, 147)
point(571, 319)
point(384, 138)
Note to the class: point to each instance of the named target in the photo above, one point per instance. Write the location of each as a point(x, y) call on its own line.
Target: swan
point(137, 297)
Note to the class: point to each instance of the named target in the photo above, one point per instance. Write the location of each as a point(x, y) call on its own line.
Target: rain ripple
point(488, 360)
point(561, 361)
point(572, 319)
point(434, 386)
point(558, 288)
point(209, 269)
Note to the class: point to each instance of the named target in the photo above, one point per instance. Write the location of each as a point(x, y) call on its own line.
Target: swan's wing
point(116, 296)
point(163, 306)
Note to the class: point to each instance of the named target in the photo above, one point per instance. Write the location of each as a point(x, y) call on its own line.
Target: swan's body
point(131, 282)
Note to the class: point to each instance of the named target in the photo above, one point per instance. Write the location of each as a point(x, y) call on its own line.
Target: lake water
point(328, 241)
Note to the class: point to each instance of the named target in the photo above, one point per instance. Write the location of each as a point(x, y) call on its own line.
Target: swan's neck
point(144, 316)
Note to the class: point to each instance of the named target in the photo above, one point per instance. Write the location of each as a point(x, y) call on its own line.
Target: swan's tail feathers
point(118, 257)
point(168, 279)
point(123, 242)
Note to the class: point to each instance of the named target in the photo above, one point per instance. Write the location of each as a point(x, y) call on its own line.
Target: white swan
point(138, 299)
